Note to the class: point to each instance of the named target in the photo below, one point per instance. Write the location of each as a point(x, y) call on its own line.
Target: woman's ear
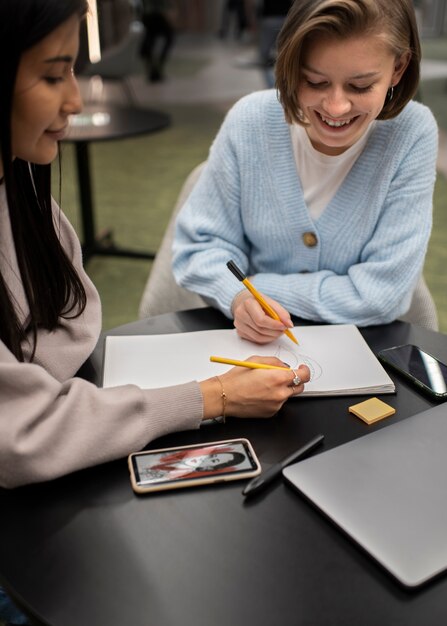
point(399, 68)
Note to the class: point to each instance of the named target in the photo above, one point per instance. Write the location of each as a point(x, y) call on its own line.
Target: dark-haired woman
point(52, 423)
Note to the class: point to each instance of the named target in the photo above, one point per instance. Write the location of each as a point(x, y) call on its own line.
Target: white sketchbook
point(339, 359)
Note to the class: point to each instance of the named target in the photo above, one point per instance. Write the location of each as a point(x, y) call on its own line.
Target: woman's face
point(45, 94)
point(343, 88)
point(207, 460)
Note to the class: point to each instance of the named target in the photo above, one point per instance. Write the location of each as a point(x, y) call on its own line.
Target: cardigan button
point(310, 239)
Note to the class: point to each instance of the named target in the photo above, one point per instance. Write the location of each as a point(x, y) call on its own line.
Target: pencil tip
point(292, 337)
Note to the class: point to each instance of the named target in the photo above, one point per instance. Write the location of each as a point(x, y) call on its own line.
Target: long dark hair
point(51, 284)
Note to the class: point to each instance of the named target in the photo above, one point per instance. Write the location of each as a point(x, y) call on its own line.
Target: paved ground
point(442, 156)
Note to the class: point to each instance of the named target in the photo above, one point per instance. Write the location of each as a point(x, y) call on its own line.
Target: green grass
point(434, 95)
point(434, 92)
point(436, 262)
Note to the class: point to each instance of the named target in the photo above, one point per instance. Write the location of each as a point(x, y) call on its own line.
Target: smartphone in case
point(425, 371)
point(189, 466)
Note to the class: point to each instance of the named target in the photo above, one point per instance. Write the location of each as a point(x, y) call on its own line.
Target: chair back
point(161, 293)
point(422, 310)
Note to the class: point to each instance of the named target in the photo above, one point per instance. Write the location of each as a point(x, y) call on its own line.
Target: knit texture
point(248, 206)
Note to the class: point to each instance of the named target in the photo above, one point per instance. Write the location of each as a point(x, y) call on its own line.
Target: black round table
point(106, 122)
point(85, 550)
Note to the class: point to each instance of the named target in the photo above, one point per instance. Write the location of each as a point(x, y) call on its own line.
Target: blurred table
point(106, 122)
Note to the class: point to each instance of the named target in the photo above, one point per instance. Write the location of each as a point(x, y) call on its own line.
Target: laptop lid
point(388, 491)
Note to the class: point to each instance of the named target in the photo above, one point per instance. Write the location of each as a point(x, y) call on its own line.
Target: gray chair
point(422, 310)
point(163, 295)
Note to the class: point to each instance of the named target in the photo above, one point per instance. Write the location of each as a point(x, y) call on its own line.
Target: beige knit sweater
point(51, 423)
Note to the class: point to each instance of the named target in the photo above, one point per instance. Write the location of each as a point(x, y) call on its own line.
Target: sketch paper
point(339, 359)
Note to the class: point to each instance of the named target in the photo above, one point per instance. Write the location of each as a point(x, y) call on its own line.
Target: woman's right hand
point(253, 323)
point(252, 392)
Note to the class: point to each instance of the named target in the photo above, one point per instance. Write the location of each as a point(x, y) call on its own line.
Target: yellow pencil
point(250, 364)
point(267, 308)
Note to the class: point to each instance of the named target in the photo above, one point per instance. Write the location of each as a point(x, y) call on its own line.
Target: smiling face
point(46, 93)
point(207, 461)
point(343, 86)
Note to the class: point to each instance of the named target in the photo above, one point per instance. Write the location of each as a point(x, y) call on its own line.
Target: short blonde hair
point(394, 20)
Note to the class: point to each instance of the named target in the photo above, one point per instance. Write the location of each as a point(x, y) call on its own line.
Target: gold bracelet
point(223, 395)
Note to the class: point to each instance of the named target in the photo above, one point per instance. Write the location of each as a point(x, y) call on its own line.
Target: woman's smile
point(336, 123)
point(58, 134)
point(343, 87)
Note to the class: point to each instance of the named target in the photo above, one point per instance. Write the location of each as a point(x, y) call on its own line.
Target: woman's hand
point(253, 323)
point(252, 392)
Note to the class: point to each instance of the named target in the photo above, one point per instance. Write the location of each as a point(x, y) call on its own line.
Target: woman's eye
point(313, 85)
point(323, 85)
point(358, 89)
point(53, 80)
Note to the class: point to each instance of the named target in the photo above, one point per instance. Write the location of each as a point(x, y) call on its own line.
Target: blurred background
point(193, 64)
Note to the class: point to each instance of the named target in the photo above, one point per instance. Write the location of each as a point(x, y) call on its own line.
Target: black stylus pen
point(264, 479)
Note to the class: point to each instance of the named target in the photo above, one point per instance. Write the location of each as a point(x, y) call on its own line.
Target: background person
point(272, 14)
point(233, 9)
point(323, 195)
point(157, 17)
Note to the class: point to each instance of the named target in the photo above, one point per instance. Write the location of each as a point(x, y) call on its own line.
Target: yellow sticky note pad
point(372, 410)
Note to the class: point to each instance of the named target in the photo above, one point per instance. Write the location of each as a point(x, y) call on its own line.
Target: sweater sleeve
point(52, 423)
point(50, 428)
point(210, 227)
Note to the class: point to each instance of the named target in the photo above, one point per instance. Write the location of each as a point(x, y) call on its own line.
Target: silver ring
point(297, 380)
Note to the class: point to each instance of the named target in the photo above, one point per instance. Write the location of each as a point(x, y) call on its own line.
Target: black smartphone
point(427, 372)
point(190, 466)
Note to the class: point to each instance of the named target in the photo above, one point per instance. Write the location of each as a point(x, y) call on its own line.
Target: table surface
point(85, 550)
point(103, 121)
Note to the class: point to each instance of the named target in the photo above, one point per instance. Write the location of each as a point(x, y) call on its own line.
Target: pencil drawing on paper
point(294, 358)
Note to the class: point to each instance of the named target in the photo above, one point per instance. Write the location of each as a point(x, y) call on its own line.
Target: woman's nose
point(73, 100)
point(336, 103)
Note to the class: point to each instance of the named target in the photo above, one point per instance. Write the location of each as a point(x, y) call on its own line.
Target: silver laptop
point(388, 491)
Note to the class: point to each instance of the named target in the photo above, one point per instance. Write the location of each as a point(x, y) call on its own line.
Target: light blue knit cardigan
point(248, 206)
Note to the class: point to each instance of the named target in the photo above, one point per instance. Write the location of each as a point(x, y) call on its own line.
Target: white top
point(320, 174)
